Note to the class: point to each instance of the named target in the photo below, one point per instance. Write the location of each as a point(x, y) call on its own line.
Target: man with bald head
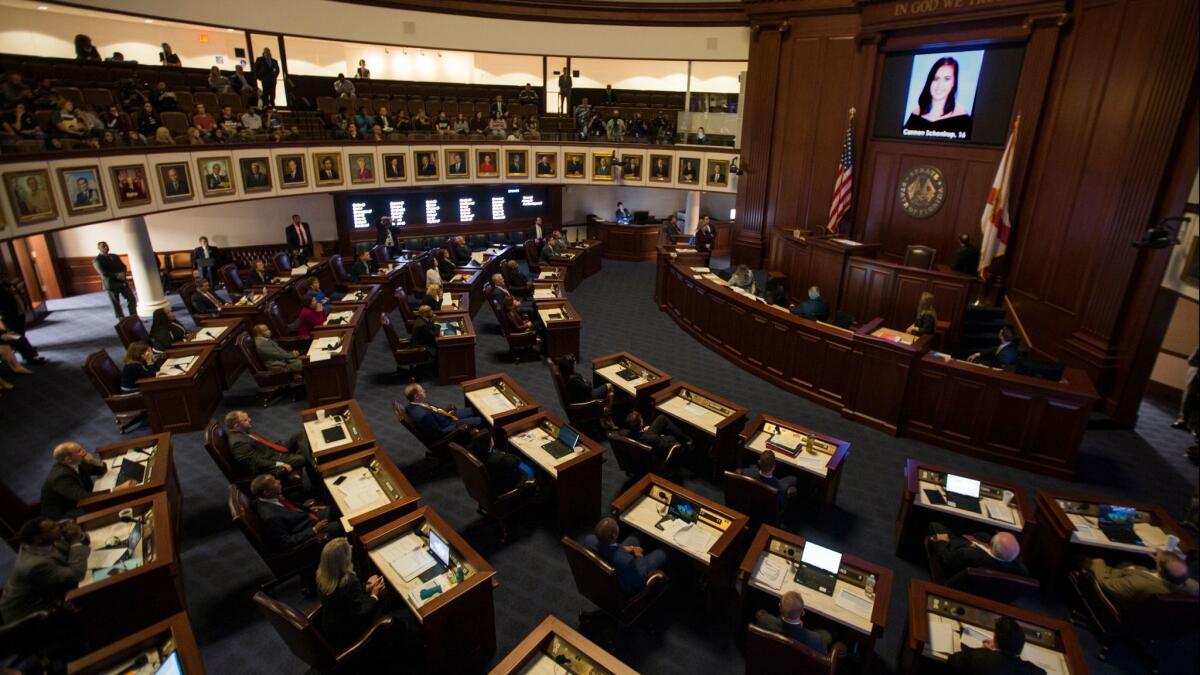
point(1129, 585)
point(1000, 552)
point(70, 480)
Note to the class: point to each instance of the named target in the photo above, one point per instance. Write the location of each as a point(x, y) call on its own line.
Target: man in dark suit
point(266, 70)
point(287, 525)
point(435, 422)
point(1003, 356)
point(255, 454)
point(293, 172)
point(790, 623)
point(664, 438)
point(764, 471)
point(175, 185)
point(363, 265)
point(1000, 552)
point(427, 167)
point(814, 308)
point(205, 259)
point(425, 332)
point(544, 167)
point(113, 279)
point(457, 166)
point(513, 276)
point(632, 565)
point(623, 216)
point(52, 560)
point(70, 480)
point(966, 258)
point(299, 237)
point(999, 656)
point(574, 166)
point(206, 300)
point(383, 229)
point(460, 253)
point(12, 313)
point(499, 107)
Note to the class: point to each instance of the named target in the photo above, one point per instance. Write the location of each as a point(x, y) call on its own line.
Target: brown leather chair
point(131, 329)
point(435, 448)
point(128, 408)
point(14, 513)
point(271, 383)
point(280, 330)
point(234, 286)
point(406, 309)
point(179, 269)
point(217, 445)
point(380, 255)
point(416, 278)
point(282, 263)
point(752, 497)
point(636, 459)
point(518, 341)
point(185, 293)
point(586, 414)
point(999, 586)
point(303, 639)
point(300, 560)
point(407, 354)
point(919, 256)
point(596, 580)
point(532, 256)
point(1159, 618)
point(341, 278)
point(492, 505)
point(769, 653)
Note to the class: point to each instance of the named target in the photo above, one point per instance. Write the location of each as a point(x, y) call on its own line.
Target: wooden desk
point(251, 308)
point(468, 280)
point(160, 477)
point(859, 614)
point(1049, 643)
point(640, 390)
point(593, 255)
point(816, 260)
point(351, 318)
point(368, 489)
point(372, 297)
point(389, 279)
point(712, 420)
point(157, 641)
point(625, 242)
point(458, 625)
point(551, 639)
point(105, 605)
point(346, 415)
point(499, 400)
point(574, 479)
point(331, 376)
point(183, 400)
point(1067, 529)
point(222, 335)
point(819, 461)
point(890, 290)
point(665, 255)
point(713, 543)
point(563, 323)
point(571, 264)
point(547, 290)
point(880, 371)
point(455, 347)
point(917, 511)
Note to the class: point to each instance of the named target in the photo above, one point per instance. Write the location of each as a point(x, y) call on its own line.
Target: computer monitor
point(821, 557)
point(641, 217)
point(1118, 516)
point(684, 509)
point(170, 665)
point(135, 535)
point(568, 437)
point(439, 548)
point(968, 487)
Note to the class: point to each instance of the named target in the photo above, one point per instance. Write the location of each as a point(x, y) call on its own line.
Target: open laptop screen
point(821, 557)
point(962, 486)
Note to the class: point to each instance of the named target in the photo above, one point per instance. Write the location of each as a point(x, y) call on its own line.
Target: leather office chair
point(477, 242)
point(185, 293)
point(636, 459)
point(489, 294)
point(380, 255)
point(1161, 617)
point(128, 408)
point(32, 641)
point(217, 445)
point(531, 256)
point(14, 513)
point(748, 495)
point(493, 505)
point(282, 263)
point(497, 239)
point(516, 238)
point(435, 448)
point(406, 353)
point(281, 331)
point(596, 580)
point(303, 639)
point(414, 283)
point(518, 341)
point(131, 329)
point(416, 244)
point(406, 309)
point(588, 413)
point(271, 383)
point(234, 286)
point(769, 653)
point(919, 256)
point(300, 560)
point(999, 586)
point(341, 278)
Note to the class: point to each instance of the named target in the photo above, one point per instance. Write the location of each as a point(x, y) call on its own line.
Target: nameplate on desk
point(176, 366)
point(210, 333)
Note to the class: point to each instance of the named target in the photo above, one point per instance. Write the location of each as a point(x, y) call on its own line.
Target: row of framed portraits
point(42, 195)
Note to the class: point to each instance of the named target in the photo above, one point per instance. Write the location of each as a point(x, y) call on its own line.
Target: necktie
point(300, 235)
point(274, 446)
point(287, 504)
point(213, 299)
point(447, 413)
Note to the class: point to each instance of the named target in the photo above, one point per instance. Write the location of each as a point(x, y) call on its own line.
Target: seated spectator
point(229, 122)
point(21, 124)
point(202, 120)
point(116, 120)
point(499, 107)
point(311, 316)
point(167, 57)
point(1000, 552)
point(164, 98)
point(242, 84)
point(274, 356)
point(364, 119)
point(51, 560)
point(479, 123)
point(363, 73)
point(139, 364)
point(376, 134)
point(422, 122)
point(527, 95)
point(461, 125)
point(403, 122)
point(498, 126)
point(162, 136)
point(814, 308)
point(66, 120)
point(95, 126)
point(148, 121)
point(195, 136)
point(271, 120)
point(343, 88)
point(287, 525)
point(251, 121)
point(608, 96)
point(790, 624)
point(218, 82)
point(85, 50)
point(743, 278)
point(44, 96)
point(340, 121)
point(662, 435)
point(701, 139)
point(632, 565)
point(532, 131)
point(442, 124)
point(385, 120)
point(1128, 585)
point(352, 132)
point(14, 91)
point(764, 471)
point(1001, 654)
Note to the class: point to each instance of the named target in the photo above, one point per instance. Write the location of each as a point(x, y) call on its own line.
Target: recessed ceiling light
point(149, 21)
point(42, 8)
point(228, 30)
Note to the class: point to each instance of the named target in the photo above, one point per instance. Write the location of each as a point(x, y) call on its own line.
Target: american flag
point(843, 184)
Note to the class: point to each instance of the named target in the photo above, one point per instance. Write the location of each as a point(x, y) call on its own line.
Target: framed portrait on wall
point(256, 174)
point(131, 185)
point(546, 165)
point(516, 163)
point(81, 189)
point(575, 166)
point(717, 173)
point(362, 167)
point(632, 169)
point(327, 166)
point(214, 176)
point(427, 164)
point(29, 194)
point(689, 170)
point(456, 163)
point(602, 168)
point(174, 181)
point(487, 164)
point(394, 170)
point(660, 168)
point(291, 171)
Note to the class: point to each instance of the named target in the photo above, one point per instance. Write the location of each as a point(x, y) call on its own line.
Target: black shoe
point(1179, 424)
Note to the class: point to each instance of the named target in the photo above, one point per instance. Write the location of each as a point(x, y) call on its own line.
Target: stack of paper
point(361, 491)
point(696, 538)
point(210, 333)
point(853, 602)
point(771, 572)
point(177, 365)
point(1000, 511)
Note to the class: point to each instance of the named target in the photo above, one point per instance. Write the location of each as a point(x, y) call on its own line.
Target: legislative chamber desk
point(500, 401)
point(390, 278)
point(455, 346)
point(563, 323)
point(573, 479)
point(160, 477)
point(345, 425)
point(815, 260)
point(457, 626)
point(857, 614)
point(625, 242)
point(1003, 505)
point(286, 295)
point(633, 379)
point(547, 290)
point(368, 489)
point(553, 643)
point(875, 376)
point(140, 587)
point(593, 255)
point(818, 462)
point(570, 263)
point(468, 280)
point(222, 335)
point(352, 318)
point(710, 420)
point(371, 297)
point(185, 392)
point(330, 373)
point(151, 645)
point(714, 543)
point(942, 620)
point(251, 308)
point(1068, 529)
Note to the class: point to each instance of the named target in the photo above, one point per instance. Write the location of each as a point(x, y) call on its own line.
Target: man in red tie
point(287, 525)
point(299, 237)
point(255, 454)
point(205, 300)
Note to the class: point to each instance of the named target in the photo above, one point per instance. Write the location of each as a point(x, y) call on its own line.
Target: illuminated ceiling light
point(148, 21)
point(42, 8)
point(228, 30)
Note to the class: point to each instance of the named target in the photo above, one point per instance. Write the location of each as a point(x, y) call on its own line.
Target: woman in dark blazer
point(348, 606)
point(165, 329)
point(139, 363)
point(926, 323)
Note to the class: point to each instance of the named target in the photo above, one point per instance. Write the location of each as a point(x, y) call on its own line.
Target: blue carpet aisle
point(222, 571)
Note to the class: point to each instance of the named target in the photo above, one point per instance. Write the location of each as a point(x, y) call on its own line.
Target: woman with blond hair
point(926, 323)
point(139, 364)
point(348, 607)
point(162, 136)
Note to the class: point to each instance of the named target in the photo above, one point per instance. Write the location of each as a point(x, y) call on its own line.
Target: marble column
point(691, 216)
point(143, 267)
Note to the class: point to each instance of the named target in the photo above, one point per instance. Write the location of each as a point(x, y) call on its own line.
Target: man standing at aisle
point(266, 69)
point(113, 279)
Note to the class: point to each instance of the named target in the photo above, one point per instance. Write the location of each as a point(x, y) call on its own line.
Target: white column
point(143, 267)
point(691, 217)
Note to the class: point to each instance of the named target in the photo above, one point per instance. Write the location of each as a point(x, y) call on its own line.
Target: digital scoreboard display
point(435, 207)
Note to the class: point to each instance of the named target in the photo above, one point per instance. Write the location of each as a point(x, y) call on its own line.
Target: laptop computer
point(440, 550)
point(819, 567)
point(130, 470)
point(1116, 522)
point(564, 444)
point(641, 217)
point(627, 374)
point(684, 509)
point(962, 493)
point(333, 434)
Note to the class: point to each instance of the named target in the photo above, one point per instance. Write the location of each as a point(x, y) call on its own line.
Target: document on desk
point(771, 572)
point(100, 558)
point(853, 602)
point(1053, 662)
point(118, 531)
point(1151, 536)
point(972, 636)
point(336, 318)
point(696, 538)
point(701, 270)
point(177, 365)
point(1000, 511)
point(210, 333)
point(108, 481)
point(544, 294)
point(941, 634)
point(408, 557)
point(361, 491)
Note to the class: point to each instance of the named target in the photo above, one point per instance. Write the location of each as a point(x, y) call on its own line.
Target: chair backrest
point(498, 238)
point(474, 476)
point(406, 310)
point(232, 280)
point(919, 256)
point(381, 255)
point(999, 586)
point(301, 636)
point(1163, 617)
point(185, 293)
point(769, 653)
point(217, 445)
point(339, 269)
point(516, 238)
point(244, 516)
point(14, 513)
point(103, 373)
point(394, 341)
point(245, 343)
point(131, 329)
point(407, 421)
point(478, 241)
point(756, 499)
point(560, 387)
point(275, 320)
point(634, 458)
point(531, 251)
point(282, 263)
point(595, 579)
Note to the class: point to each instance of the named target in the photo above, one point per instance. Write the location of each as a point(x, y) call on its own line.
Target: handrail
point(1016, 320)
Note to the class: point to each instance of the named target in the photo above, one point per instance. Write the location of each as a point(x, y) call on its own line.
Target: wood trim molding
point(729, 13)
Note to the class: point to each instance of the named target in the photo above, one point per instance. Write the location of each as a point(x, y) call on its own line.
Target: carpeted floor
point(222, 571)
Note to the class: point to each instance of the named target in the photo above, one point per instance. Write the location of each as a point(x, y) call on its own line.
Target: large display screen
point(436, 206)
point(951, 95)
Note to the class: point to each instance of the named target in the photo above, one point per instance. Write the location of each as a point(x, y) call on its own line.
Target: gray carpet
point(222, 571)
